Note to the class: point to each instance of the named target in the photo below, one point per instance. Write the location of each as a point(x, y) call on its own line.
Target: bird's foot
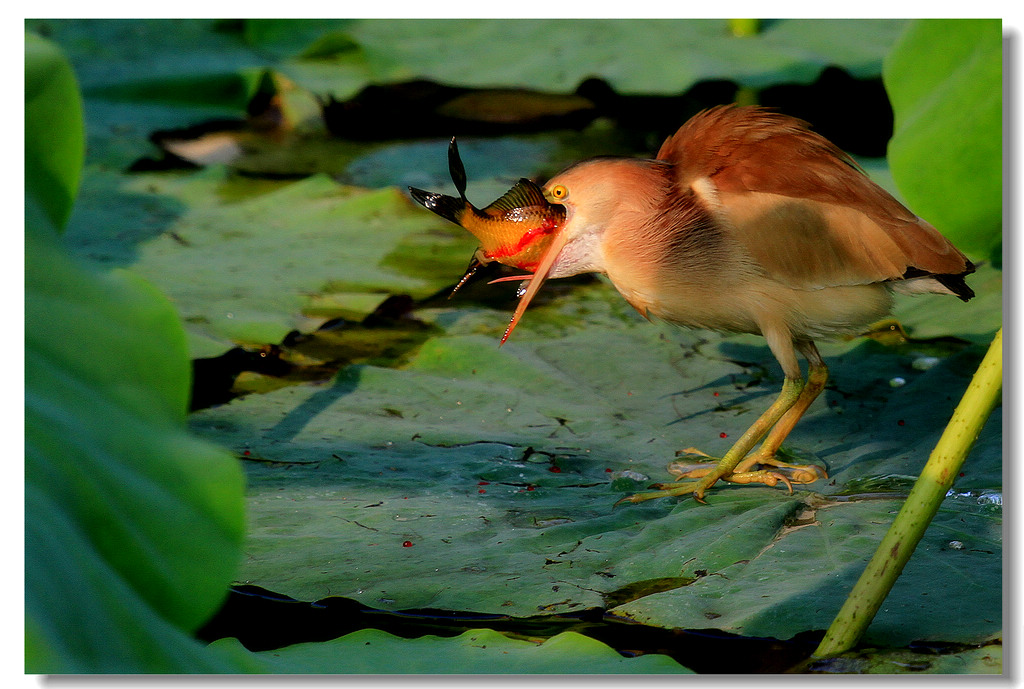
point(698, 488)
point(755, 468)
point(751, 464)
point(701, 464)
point(670, 490)
point(797, 473)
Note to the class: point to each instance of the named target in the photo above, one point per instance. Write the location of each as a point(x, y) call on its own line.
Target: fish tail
point(448, 207)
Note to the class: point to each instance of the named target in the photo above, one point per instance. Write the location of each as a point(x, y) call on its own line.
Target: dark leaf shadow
point(298, 418)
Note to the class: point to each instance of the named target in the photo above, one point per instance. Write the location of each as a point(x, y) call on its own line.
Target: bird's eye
point(559, 192)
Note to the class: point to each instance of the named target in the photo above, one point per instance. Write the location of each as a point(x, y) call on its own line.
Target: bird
point(746, 221)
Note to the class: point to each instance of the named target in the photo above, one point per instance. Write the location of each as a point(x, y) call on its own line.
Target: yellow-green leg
point(726, 467)
point(817, 376)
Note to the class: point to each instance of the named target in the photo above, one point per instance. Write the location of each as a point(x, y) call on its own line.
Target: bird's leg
point(817, 375)
point(726, 466)
point(751, 468)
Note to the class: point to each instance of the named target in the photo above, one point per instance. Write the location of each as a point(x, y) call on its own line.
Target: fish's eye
point(559, 192)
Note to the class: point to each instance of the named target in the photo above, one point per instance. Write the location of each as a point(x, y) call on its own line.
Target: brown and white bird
point(747, 221)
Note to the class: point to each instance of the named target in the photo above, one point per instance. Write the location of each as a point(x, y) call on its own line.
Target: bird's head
point(598, 194)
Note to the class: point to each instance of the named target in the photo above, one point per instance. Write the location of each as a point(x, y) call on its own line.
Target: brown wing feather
point(804, 209)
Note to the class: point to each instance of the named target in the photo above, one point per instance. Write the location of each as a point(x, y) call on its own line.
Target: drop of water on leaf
point(925, 362)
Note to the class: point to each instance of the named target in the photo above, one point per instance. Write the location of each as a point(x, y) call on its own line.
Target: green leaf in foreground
point(944, 78)
point(132, 525)
point(54, 133)
point(476, 652)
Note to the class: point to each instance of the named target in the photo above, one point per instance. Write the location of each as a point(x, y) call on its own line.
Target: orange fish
point(515, 230)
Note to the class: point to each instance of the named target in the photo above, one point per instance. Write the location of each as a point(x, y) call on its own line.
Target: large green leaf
point(83, 616)
point(251, 271)
point(342, 56)
point(944, 78)
point(125, 511)
point(479, 652)
point(800, 580)
point(478, 478)
point(132, 526)
point(54, 133)
point(147, 74)
point(663, 56)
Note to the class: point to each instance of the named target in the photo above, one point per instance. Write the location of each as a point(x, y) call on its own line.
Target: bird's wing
point(800, 206)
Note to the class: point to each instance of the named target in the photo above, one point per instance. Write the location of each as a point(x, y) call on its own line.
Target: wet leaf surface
point(984, 659)
point(499, 467)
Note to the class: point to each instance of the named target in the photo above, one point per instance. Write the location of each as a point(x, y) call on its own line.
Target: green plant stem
point(923, 502)
point(745, 27)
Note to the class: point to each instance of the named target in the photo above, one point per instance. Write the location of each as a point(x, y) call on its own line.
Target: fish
point(515, 230)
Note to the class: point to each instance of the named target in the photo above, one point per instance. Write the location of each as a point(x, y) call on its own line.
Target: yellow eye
point(558, 192)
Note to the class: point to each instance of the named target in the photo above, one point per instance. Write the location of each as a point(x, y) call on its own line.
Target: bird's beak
point(547, 260)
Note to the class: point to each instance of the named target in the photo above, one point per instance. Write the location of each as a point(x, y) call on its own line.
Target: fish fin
point(474, 265)
point(524, 194)
point(448, 207)
point(456, 169)
point(511, 278)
